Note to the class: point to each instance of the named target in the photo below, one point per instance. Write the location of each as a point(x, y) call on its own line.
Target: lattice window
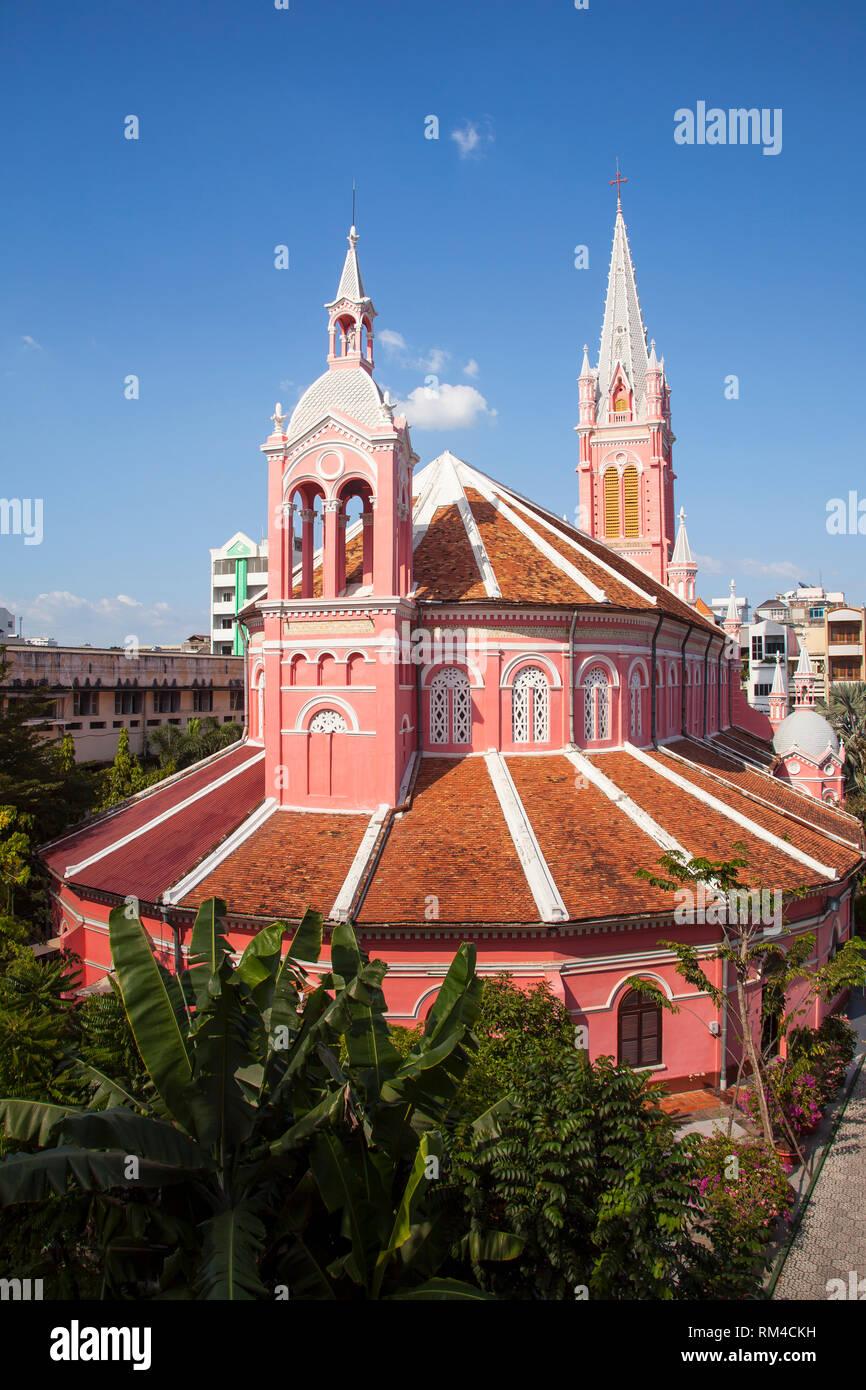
point(631, 506)
point(328, 721)
point(596, 704)
point(530, 707)
point(450, 707)
point(635, 713)
point(611, 502)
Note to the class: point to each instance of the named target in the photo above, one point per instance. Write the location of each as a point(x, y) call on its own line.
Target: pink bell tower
point(338, 716)
point(625, 470)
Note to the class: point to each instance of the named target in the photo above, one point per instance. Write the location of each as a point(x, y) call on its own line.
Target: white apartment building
point(238, 574)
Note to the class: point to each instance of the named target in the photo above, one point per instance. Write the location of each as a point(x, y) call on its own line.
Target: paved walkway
point(831, 1240)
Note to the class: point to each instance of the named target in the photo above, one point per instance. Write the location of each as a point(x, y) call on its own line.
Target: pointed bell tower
point(682, 568)
point(778, 696)
point(804, 681)
point(733, 622)
point(625, 470)
point(338, 721)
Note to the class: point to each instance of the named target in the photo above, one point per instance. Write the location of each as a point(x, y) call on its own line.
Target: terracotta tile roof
point(294, 861)
point(698, 828)
point(704, 609)
point(159, 857)
point(591, 848)
point(444, 565)
point(105, 831)
point(453, 845)
point(745, 744)
point(523, 573)
point(761, 784)
point(808, 839)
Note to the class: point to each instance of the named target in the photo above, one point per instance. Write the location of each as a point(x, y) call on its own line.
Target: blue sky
point(155, 257)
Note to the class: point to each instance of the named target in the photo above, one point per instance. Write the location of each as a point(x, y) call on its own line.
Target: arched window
point(772, 1005)
point(631, 507)
point(530, 707)
point(328, 721)
point(611, 502)
point(596, 705)
point(639, 1031)
point(635, 706)
point(450, 707)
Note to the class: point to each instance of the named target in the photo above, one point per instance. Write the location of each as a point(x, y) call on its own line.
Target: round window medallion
point(330, 464)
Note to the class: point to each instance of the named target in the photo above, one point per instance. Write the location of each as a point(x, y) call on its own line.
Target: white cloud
point(707, 565)
point(472, 137)
point(30, 343)
point(391, 341)
point(434, 361)
point(71, 619)
point(471, 368)
point(446, 407)
point(774, 569)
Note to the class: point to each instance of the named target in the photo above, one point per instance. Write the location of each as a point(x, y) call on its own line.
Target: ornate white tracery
point(635, 720)
point(596, 704)
point(450, 707)
point(530, 706)
point(328, 721)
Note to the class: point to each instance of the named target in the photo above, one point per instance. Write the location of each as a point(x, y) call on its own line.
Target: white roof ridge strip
point(164, 816)
point(216, 857)
point(707, 799)
point(541, 544)
point(641, 818)
point(718, 776)
point(602, 564)
point(358, 867)
point(536, 870)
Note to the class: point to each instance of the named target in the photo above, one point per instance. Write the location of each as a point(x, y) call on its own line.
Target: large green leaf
point(342, 1182)
point(222, 1116)
point(445, 1289)
point(31, 1120)
point(259, 965)
point(208, 949)
point(372, 1054)
point(307, 940)
point(423, 1172)
point(32, 1177)
point(151, 1013)
point(233, 1242)
point(134, 1134)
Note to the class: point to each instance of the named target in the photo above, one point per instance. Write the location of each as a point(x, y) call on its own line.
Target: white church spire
point(623, 335)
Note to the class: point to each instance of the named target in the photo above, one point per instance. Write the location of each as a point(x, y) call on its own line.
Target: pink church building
point(470, 720)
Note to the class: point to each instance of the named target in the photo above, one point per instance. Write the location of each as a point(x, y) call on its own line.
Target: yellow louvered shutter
point(632, 510)
point(611, 502)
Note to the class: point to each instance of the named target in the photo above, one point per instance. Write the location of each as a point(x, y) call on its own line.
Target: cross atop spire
point(618, 180)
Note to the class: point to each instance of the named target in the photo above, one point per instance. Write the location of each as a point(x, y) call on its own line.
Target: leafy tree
point(35, 776)
point(516, 1030)
point(125, 777)
point(259, 1155)
point(583, 1167)
point(845, 708)
point(750, 954)
point(178, 748)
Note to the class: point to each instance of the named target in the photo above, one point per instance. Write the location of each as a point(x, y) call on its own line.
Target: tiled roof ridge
point(717, 776)
point(717, 804)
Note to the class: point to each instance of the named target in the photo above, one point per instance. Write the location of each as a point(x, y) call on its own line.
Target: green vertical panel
point(240, 600)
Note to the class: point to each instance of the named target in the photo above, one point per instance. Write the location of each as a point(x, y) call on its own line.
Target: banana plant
point(284, 1147)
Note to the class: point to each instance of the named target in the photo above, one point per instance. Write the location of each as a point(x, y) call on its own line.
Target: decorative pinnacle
point(682, 515)
point(278, 419)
